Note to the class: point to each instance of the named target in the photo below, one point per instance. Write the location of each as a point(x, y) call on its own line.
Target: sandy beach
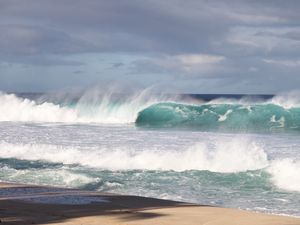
point(25, 204)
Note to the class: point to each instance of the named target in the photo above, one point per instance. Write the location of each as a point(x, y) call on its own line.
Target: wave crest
point(13, 108)
point(145, 109)
point(221, 116)
point(90, 108)
point(285, 174)
point(224, 156)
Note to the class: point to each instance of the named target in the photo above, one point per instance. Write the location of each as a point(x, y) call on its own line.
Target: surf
point(145, 109)
point(223, 116)
point(223, 157)
point(91, 107)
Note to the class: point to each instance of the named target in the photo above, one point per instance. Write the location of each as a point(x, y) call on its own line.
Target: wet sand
point(28, 204)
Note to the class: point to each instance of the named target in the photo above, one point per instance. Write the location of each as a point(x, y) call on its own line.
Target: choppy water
point(249, 158)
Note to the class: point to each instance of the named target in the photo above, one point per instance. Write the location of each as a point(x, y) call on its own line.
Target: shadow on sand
point(124, 208)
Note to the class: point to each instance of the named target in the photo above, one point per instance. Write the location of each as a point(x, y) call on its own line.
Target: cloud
point(262, 41)
point(168, 27)
point(283, 62)
point(117, 64)
point(182, 65)
point(218, 43)
point(151, 26)
point(32, 40)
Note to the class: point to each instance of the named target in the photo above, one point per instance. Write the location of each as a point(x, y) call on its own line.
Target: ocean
point(238, 151)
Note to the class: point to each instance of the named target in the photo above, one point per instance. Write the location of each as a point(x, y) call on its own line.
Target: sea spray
point(91, 107)
point(285, 173)
point(17, 109)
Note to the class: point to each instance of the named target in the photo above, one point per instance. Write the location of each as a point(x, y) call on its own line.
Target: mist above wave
point(92, 107)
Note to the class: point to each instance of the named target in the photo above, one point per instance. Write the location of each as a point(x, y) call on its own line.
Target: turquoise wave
point(220, 116)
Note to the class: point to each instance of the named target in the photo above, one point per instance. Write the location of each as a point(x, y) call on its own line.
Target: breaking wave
point(285, 174)
point(237, 155)
point(225, 156)
point(235, 116)
point(144, 109)
point(90, 108)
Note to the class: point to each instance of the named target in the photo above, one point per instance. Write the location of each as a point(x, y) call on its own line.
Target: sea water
point(241, 153)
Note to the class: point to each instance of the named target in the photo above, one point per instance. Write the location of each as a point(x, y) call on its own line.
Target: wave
point(224, 156)
point(145, 109)
point(60, 177)
point(13, 108)
point(90, 108)
point(234, 116)
point(234, 156)
point(285, 174)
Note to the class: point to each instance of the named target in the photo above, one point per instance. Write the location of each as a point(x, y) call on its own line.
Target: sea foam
point(285, 174)
point(224, 156)
point(90, 108)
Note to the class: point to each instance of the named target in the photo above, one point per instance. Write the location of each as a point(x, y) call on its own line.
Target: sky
point(192, 46)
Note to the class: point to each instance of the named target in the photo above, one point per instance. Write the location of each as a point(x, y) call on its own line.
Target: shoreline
point(34, 204)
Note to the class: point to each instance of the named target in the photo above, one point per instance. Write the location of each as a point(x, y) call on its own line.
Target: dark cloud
point(230, 41)
point(117, 65)
point(168, 26)
point(143, 26)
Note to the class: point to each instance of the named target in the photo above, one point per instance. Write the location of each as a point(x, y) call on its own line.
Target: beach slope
point(25, 204)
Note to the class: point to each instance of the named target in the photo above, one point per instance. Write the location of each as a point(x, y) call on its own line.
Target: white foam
point(223, 156)
point(287, 100)
point(280, 121)
point(285, 174)
point(96, 107)
point(91, 108)
point(224, 117)
point(13, 108)
point(59, 177)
